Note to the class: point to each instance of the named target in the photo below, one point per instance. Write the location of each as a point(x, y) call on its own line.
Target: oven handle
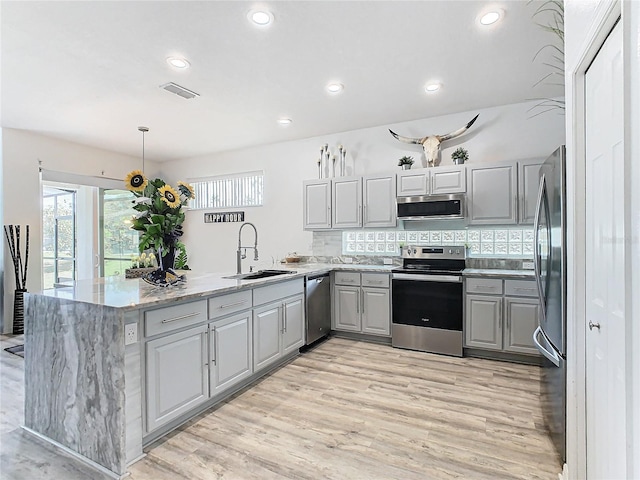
point(427, 278)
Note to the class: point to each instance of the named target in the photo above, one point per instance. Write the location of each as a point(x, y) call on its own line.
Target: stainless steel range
point(427, 299)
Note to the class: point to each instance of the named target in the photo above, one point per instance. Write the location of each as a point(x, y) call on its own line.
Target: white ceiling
point(90, 71)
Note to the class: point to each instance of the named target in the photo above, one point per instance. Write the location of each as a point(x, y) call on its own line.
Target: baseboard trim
point(81, 458)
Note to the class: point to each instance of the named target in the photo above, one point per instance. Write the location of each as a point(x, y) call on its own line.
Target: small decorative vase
point(458, 161)
point(164, 275)
point(18, 311)
point(406, 166)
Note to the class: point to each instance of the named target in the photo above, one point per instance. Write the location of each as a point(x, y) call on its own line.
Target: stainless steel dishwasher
point(318, 317)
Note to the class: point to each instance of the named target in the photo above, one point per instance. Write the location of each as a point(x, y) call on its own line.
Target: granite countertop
point(134, 293)
point(496, 272)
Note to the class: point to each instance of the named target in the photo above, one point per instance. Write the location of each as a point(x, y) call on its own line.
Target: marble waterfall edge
point(78, 400)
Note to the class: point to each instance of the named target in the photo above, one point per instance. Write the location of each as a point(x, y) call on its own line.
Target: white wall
point(587, 22)
point(500, 133)
point(21, 193)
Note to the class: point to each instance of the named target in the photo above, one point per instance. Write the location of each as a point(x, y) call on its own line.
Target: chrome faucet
point(240, 255)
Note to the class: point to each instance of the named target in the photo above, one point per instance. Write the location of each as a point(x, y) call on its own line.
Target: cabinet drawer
point(277, 291)
point(347, 278)
point(491, 286)
point(231, 303)
point(172, 318)
point(521, 288)
point(375, 280)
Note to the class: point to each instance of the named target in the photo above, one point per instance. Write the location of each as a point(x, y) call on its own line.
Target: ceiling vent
point(180, 91)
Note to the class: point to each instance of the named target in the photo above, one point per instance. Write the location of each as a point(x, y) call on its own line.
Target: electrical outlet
point(387, 261)
point(348, 260)
point(527, 265)
point(130, 333)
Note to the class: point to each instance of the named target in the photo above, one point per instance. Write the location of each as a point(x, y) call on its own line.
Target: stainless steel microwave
point(431, 207)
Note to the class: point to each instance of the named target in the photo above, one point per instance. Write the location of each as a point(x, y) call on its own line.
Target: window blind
point(228, 191)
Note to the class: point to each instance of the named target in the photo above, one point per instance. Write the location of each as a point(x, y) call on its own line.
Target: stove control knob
point(450, 251)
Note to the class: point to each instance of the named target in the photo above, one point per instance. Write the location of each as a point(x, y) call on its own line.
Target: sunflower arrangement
point(159, 216)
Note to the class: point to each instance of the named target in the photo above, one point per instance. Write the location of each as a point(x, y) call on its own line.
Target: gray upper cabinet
point(347, 202)
point(413, 183)
point(448, 180)
point(528, 182)
point(379, 194)
point(230, 351)
point(317, 204)
point(177, 375)
point(493, 194)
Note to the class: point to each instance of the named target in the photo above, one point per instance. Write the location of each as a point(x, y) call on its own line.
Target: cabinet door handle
point(523, 289)
point(181, 317)
point(358, 304)
point(284, 317)
point(364, 214)
point(363, 302)
point(234, 304)
point(215, 346)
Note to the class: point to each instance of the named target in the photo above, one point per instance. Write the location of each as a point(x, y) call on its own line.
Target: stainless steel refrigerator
point(550, 268)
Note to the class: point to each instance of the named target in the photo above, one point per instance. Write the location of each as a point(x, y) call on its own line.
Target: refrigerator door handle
point(550, 353)
point(536, 239)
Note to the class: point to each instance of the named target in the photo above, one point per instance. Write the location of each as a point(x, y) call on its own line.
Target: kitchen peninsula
point(95, 354)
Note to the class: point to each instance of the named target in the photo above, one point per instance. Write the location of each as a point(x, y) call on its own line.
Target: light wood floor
point(344, 410)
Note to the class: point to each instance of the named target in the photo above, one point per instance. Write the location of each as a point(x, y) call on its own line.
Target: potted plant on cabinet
point(459, 156)
point(405, 162)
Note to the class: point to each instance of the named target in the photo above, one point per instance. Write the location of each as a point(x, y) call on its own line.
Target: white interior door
point(606, 273)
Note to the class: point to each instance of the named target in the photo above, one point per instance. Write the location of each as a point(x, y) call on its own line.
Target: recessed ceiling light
point(178, 62)
point(335, 87)
point(490, 18)
point(432, 87)
point(262, 18)
point(284, 122)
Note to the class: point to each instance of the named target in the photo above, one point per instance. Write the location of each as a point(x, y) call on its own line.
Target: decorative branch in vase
point(12, 234)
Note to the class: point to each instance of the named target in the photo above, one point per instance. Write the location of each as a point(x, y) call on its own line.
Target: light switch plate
point(130, 333)
point(527, 265)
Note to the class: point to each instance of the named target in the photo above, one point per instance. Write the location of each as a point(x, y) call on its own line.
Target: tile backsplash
point(481, 242)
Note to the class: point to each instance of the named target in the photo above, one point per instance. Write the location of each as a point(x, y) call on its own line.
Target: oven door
point(427, 300)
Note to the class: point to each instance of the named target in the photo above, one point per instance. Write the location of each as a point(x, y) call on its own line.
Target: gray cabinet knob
point(593, 325)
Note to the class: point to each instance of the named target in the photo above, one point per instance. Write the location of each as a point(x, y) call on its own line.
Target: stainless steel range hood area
point(432, 207)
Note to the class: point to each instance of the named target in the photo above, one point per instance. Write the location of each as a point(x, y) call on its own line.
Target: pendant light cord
point(143, 130)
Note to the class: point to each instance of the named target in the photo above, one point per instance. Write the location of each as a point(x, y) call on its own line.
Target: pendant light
point(143, 130)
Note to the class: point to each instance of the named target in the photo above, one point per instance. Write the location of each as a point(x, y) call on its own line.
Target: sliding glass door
point(59, 236)
point(118, 243)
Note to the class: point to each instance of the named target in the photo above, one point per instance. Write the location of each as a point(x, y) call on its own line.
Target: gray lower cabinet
point(502, 319)
point(347, 308)
point(230, 351)
point(362, 309)
point(375, 311)
point(177, 375)
point(521, 316)
point(484, 322)
point(278, 329)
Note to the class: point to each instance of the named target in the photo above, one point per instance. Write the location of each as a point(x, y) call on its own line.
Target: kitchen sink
point(260, 274)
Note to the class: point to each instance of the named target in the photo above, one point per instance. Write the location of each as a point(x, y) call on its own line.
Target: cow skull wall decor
point(431, 143)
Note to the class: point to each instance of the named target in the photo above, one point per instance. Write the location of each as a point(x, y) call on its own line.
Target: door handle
point(215, 347)
point(363, 301)
point(593, 325)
